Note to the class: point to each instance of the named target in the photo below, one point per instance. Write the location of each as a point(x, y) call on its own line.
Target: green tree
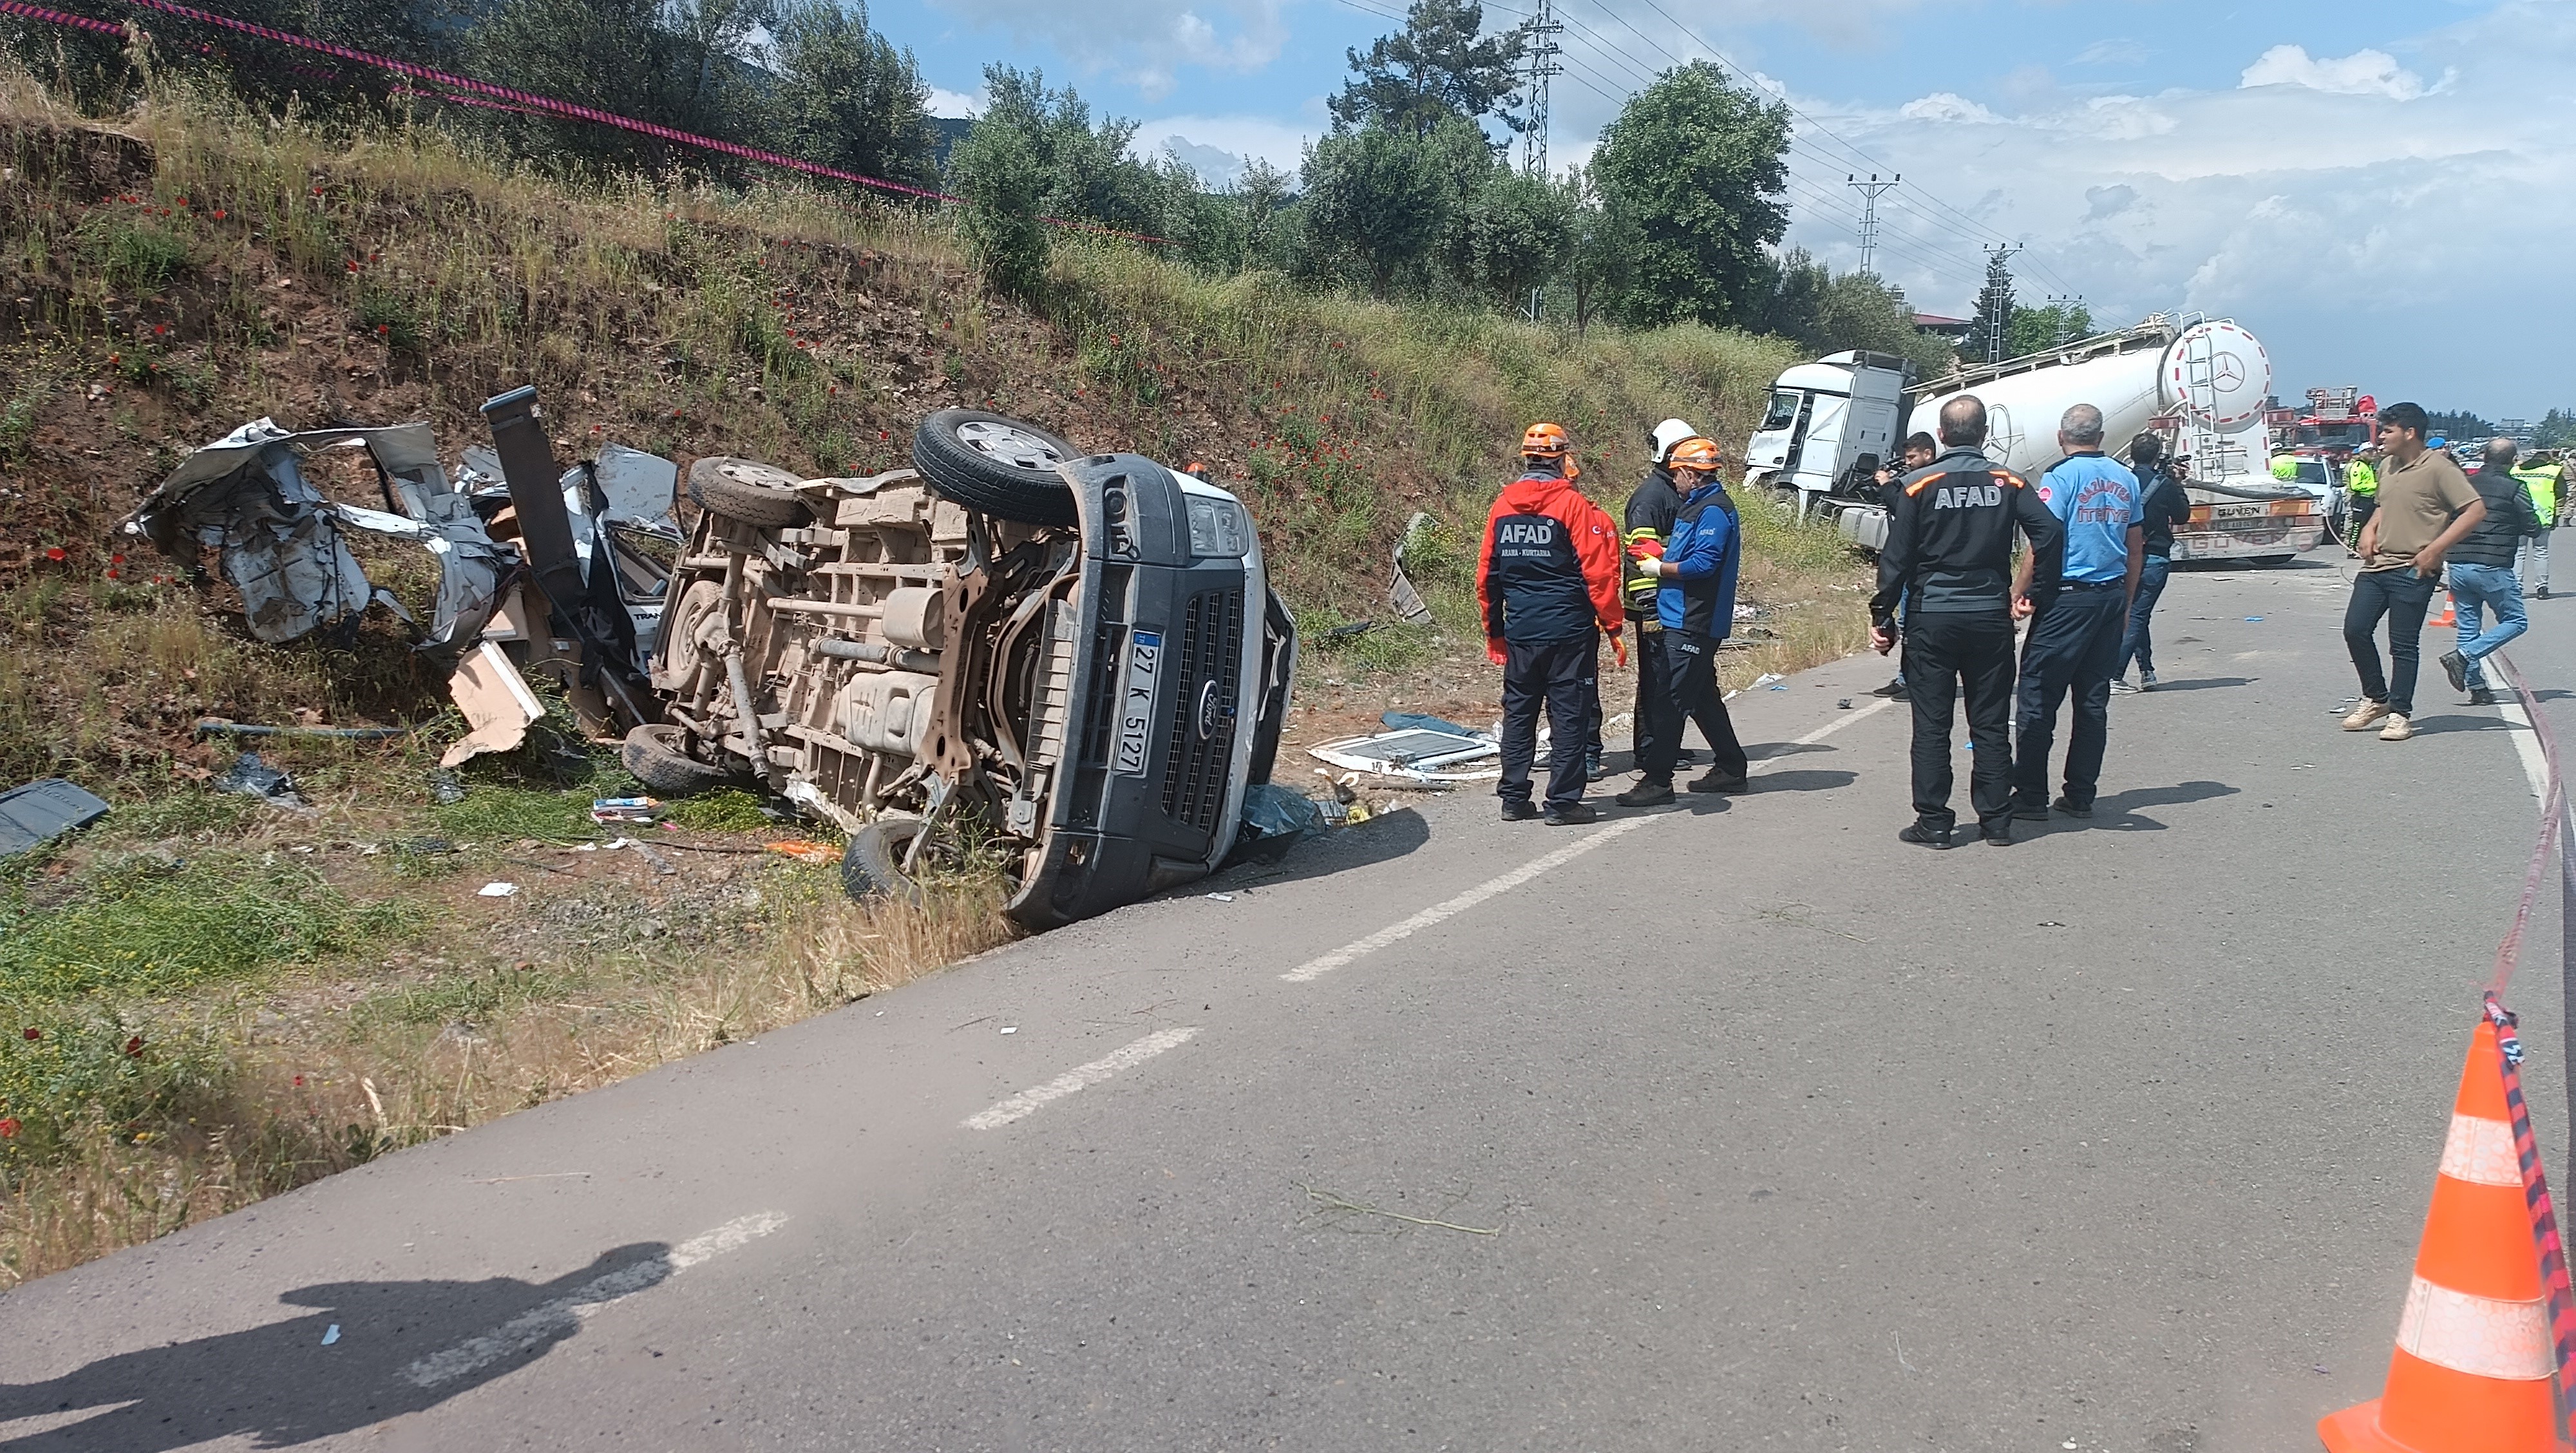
point(682, 63)
point(2036, 330)
point(259, 71)
point(847, 98)
point(1084, 167)
point(1376, 203)
point(2460, 425)
point(1510, 235)
point(1004, 182)
point(2556, 430)
point(1597, 268)
point(1696, 163)
point(1989, 335)
point(1439, 66)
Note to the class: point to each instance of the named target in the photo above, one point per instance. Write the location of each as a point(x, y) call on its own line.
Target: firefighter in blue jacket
point(1694, 570)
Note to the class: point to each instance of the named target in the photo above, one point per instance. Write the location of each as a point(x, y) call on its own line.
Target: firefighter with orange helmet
point(1547, 580)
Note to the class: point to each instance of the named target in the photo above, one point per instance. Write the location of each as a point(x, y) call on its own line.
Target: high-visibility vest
point(2285, 466)
point(2542, 480)
point(2360, 478)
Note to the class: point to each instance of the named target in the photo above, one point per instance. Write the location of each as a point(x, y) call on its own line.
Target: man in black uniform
point(1949, 543)
point(1649, 523)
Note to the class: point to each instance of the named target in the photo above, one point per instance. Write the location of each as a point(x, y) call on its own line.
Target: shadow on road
point(2427, 726)
point(2119, 811)
point(401, 1346)
point(1814, 779)
point(1381, 839)
point(2203, 683)
point(1770, 751)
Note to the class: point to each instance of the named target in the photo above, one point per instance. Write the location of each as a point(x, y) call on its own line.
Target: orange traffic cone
point(2474, 1364)
point(2450, 612)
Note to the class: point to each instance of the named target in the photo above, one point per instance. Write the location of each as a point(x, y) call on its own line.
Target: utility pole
point(1995, 303)
point(1544, 28)
point(1869, 195)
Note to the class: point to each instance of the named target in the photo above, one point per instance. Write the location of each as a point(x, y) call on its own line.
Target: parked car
point(1070, 663)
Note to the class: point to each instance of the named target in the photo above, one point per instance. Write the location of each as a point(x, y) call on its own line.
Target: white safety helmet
point(1669, 433)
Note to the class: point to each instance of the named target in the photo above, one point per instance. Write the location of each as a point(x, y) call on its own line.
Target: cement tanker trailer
point(2201, 384)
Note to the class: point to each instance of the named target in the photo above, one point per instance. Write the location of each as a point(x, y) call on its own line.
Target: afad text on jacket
point(1549, 570)
point(1950, 536)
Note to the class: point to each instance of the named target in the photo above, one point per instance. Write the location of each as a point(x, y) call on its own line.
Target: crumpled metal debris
point(283, 546)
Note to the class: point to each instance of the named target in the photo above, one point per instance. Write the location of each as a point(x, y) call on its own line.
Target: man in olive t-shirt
point(2425, 505)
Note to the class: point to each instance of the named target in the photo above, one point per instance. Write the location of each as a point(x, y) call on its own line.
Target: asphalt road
point(1733, 1126)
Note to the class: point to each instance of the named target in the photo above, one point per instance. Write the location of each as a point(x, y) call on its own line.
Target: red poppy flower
point(353, 264)
point(134, 1047)
point(384, 330)
point(183, 201)
point(55, 554)
point(219, 214)
point(34, 1033)
point(9, 1127)
point(115, 559)
point(881, 434)
point(299, 1082)
point(160, 328)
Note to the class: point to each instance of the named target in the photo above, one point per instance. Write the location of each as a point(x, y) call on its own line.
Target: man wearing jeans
point(2481, 574)
point(2425, 506)
point(2075, 642)
point(2165, 506)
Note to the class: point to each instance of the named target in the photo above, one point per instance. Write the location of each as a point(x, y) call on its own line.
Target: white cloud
point(955, 103)
point(1946, 106)
point(2362, 73)
point(1143, 42)
point(2322, 204)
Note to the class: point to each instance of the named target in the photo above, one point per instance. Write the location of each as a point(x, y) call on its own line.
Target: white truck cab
point(1830, 425)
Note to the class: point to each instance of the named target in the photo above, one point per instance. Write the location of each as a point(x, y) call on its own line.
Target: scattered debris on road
point(496, 889)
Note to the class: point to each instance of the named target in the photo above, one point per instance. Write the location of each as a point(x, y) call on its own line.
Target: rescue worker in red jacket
point(1547, 580)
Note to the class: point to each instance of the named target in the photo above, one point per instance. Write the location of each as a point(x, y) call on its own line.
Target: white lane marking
point(1316, 968)
point(1080, 1077)
point(2526, 745)
point(551, 1319)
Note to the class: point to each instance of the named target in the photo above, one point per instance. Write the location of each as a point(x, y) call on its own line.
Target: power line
point(1864, 159)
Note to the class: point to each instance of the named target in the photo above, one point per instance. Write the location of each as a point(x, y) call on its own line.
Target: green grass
point(134, 255)
point(464, 998)
point(145, 925)
point(727, 809)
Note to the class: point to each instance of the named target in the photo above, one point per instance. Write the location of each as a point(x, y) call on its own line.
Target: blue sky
point(2376, 190)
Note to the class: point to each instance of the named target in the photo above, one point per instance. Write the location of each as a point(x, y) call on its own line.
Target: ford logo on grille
point(1207, 711)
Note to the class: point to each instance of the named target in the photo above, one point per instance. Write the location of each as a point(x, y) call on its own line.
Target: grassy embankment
point(227, 1000)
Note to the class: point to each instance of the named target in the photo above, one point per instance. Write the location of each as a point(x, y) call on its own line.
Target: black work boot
point(1521, 811)
point(1924, 835)
point(1571, 814)
point(1647, 794)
